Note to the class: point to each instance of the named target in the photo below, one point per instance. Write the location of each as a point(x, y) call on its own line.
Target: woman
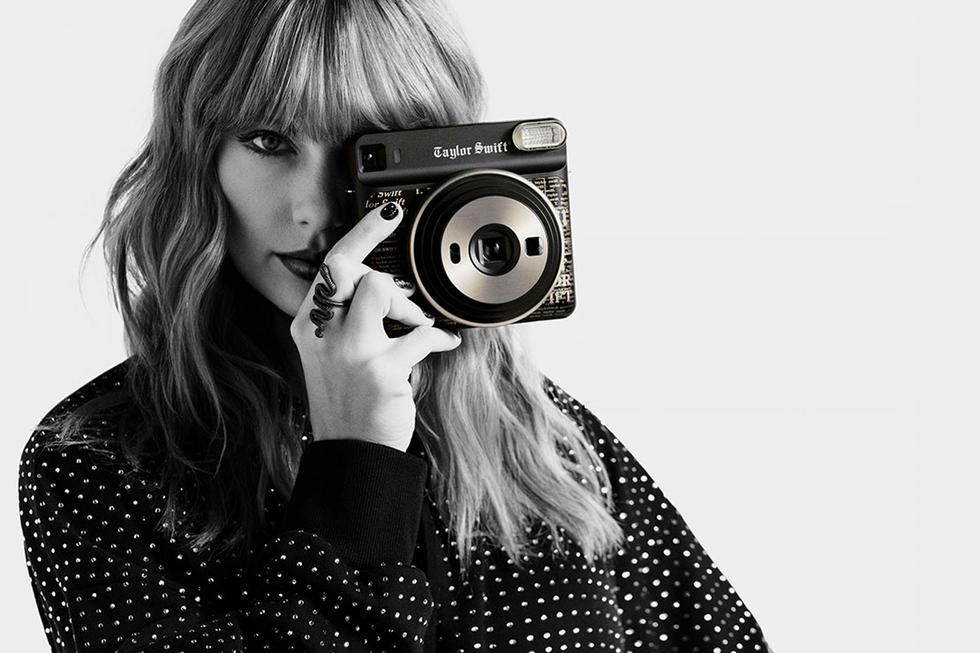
point(268, 470)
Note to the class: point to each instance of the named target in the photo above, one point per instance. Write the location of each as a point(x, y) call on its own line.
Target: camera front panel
point(487, 250)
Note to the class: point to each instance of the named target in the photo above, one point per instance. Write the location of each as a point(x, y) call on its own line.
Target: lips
point(305, 269)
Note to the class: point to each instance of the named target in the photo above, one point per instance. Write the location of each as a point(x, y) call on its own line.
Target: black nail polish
point(402, 282)
point(427, 314)
point(390, 211)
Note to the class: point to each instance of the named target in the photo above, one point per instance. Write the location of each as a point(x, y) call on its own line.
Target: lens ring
point(438, 209)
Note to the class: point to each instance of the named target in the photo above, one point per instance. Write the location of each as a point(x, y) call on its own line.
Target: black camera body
point(486, 232)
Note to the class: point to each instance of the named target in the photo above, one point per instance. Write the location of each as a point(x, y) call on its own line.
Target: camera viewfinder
point(373, 158)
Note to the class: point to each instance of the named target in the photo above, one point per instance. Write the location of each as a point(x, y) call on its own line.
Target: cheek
point(254, 204)
point(259, 226)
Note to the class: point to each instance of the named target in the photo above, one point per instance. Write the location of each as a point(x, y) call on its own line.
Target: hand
point(357, 378)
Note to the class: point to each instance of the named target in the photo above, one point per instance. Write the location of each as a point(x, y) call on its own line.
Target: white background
point(773, 211)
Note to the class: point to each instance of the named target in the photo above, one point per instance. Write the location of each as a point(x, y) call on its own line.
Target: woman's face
point(284, 196)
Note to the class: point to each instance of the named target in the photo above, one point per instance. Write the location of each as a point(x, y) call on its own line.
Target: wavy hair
point(205, 401)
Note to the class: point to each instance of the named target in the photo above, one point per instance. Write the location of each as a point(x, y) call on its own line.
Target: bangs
point(331, 70)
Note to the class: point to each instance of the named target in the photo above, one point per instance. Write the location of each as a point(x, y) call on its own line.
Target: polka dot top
point(350, 565)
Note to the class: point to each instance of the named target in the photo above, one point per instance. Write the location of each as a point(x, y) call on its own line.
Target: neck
point(283, 350)
point(268, 327)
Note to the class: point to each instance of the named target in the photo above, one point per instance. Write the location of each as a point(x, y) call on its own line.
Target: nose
point(315, 204)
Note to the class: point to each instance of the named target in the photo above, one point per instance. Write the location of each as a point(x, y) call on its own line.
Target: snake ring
point(321, 297)
point(325, 306)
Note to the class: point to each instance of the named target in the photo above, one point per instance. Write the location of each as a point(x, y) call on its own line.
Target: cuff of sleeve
point(362, 497)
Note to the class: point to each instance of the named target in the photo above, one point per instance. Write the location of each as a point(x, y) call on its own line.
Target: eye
point(267, 143)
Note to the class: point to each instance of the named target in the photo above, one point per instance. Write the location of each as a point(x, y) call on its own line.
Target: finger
point(338, 277)
point(402, 282)
point(322, 298)
point(333, 275)
point(407, 312)
point(339, 274)
point(376, 225)
point(335, 280)
point(377, 297)
point(421, 341)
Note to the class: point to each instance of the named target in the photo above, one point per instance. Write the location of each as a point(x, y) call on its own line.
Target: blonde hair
point(504, 455)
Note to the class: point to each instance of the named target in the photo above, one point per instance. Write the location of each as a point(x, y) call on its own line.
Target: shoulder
point(568, 404)
point(82, 427)
point(76, 483)
point(110, 381)
point(627, 476)
point(600, 437)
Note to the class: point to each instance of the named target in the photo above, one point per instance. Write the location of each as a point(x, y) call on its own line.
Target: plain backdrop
point(773, 216)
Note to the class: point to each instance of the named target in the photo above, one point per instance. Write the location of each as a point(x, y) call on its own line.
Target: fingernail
point(402, 282)
point(455, 332)
point(427, 314)
point(390, 211)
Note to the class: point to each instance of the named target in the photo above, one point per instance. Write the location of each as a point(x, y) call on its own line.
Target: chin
point(284, 293)
point(289, 298)
point(277, 286)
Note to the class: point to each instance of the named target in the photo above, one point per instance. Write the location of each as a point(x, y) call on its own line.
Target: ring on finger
point(322, 299)
point(319, 318)
point(324, 312)
point(323, 292)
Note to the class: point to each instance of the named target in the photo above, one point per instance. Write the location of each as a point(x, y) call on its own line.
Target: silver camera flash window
point(539, 135)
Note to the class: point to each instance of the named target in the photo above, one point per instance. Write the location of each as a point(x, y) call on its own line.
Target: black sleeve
point(671, 594)
point(338, 578)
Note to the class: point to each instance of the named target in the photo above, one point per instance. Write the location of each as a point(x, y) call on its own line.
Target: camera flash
point(539, 135)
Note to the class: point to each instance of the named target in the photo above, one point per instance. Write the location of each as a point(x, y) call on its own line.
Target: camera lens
point(491, 249)
point(373, 158)
point(495, 249)
point(467, 247)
